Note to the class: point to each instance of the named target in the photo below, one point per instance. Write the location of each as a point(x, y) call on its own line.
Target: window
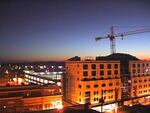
point(93, 73)
point(133, 65)
point(95, 92)
point(110, 84)
point(135, 81)
point(87, 93)
point(93, 66)
point(80, 93)
point(116, 66)
point(145, 80)
point(101, 66)
point(79, 99)
point(79, 86)
point(95, 85)
point(95, 99)
point(103, 85)
point(116, 72)
point(109, 66)
point(87, 86)
point(85, 66)
point(140, 80)
point(117, 83)
point(101, 73)
point(85, 73)
point(138, 65)
point(108, 72)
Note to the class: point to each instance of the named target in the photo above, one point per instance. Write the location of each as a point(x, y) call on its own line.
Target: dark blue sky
point(40, 30)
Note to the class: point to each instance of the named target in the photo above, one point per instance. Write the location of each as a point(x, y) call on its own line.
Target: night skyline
point(36, 30)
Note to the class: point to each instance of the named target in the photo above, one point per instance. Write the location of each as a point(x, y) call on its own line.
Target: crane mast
point(112, 36)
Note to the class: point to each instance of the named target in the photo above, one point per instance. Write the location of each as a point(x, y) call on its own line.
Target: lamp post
point(101, 101)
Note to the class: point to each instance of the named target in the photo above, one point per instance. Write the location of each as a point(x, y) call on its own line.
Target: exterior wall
point(140, 78)
point(30, 98)
point(90, 84)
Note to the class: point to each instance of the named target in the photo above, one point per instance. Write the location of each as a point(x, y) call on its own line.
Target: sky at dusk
point(44, 30)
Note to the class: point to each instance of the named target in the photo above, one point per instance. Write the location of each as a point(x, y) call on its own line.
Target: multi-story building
point(115, 78)
point(29, 98)
point(140, 80)
point(42, 78)
point(92, 81)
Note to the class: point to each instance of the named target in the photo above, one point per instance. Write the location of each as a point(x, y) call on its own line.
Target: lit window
point(41, 80)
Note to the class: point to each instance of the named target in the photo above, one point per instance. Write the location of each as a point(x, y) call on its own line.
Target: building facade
point(29, 98)
point(140, 80)
point(42, 78)
point(92, 81)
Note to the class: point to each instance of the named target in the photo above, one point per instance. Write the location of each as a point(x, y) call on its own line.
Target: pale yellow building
point(140, 78)
point(90, 81)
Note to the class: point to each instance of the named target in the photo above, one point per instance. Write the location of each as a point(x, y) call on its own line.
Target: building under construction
point(117, 78)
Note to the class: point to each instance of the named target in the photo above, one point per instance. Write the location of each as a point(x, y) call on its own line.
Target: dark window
point(93, 66)
point(101, 72)
point(109, 66)
point(138, 70)
point(116, 66)
point(147, 65)
point(95, 85)
point(79, 86)
point(85, 79)
point(110, 84)
point(101, 66)
point(145, 80)
point(93, 73)
point(143, 65)
point(109, 72)
point(117, 83)
point(102, 78)
point(134, 71)
point(78, 65)
point(133, 65)
point(87, 93)
point(85, 73)
point(116, 72)
point(103, 85)
point(87, 86)
point(79, 99)
point(85, 66)
point(138, 65)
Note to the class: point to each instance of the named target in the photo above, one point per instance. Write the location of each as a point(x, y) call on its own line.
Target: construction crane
point(112, 36)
